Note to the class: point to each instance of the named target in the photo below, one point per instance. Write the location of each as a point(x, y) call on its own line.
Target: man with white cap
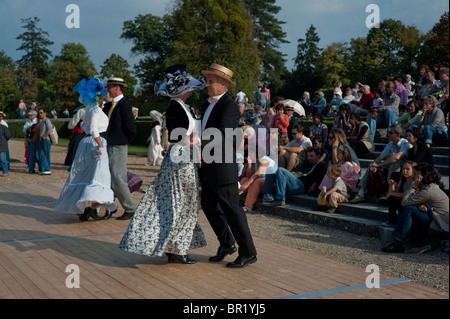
point(121, 131)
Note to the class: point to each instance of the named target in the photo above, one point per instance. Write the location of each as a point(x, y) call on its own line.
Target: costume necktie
point(113, 105)
point(212, 100)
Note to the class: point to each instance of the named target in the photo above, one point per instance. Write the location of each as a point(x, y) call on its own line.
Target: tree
point(9, 92)
point(204, 32)
point(117, 66)
point(78, 55)
point(35, 44)
point(66, 80)
point(435, 47)
point(304, 76)
point(331, 67)
point(269, 35)
point(150, 38)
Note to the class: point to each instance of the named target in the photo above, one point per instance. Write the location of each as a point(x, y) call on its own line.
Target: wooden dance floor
point(41, 252)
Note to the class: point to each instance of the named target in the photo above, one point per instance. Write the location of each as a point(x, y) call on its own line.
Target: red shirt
point(366, 101)
point(281, 123)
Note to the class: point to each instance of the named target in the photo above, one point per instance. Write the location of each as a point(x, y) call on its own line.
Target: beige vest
point(367, 138)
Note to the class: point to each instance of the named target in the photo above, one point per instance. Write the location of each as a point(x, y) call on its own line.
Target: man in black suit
point(121, 131)
point(220, 195)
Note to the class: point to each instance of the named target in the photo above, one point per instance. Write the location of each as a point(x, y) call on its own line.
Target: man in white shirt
point(292, 154)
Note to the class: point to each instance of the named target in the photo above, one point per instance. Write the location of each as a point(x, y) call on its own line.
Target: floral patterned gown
point(166, 219)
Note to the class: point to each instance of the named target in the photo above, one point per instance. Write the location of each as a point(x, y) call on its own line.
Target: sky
point(101, 22)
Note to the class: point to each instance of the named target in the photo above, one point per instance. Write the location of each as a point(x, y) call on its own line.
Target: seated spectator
point(396, 191)
point(362, 107)
point(419, 152)
point(287, 183)
point(421, 78)
point(281, 120)
point(349, 170)
point(444, 84)
point(425, 213)
point(318, 127)
point(360, 139)
point(433, 122)
point(335, 192)
point(385, 116)
point(253, 183)
point(244, 117)
point(428, 87)
point(356, 88)
point(348, 98)
point(317, 142)
point(293, 119)
point(392, 157)
point(306, 103)
point(410, 117)
point(319, 104)
point(292, 155)
point(342, 121)
point(409, 83)
point(337, 138)
point(402, 92)
point(335, 102)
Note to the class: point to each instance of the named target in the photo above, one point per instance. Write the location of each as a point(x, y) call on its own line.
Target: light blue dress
point(89, 180)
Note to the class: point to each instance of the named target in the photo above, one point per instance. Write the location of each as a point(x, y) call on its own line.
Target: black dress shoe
point(125, 216)
point(180, 259)
point(222, 252)
point(89, 213)
point(109, 213)
point(242, 261)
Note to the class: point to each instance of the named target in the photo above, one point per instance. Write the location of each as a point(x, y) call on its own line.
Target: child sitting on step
point(329, 198)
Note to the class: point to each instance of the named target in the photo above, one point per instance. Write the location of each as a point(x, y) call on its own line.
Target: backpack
point(377, 183)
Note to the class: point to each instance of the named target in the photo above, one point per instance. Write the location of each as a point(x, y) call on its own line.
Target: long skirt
point(166, 219)
point(89, 180)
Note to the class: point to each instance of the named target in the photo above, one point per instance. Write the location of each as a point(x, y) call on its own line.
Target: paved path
point(38, 245)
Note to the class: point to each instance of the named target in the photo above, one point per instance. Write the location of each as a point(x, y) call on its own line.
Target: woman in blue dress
point(89, 183)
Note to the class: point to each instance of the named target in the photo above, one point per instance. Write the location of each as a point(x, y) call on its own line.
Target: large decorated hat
point(90, 90)
point(178, 81)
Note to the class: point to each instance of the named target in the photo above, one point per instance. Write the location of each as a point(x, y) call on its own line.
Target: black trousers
point(221, 206)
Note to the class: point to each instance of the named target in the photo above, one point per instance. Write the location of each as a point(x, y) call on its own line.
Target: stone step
point(352, 224)
point(363, 210)
point(443, 169)
point(435, 150)
point(438, 159)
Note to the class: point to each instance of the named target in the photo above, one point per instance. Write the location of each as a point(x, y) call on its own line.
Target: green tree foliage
point(150, 38)
point(304, 76)
point(435, 48)
point(331, 67)
point(206, 32)
point(35, 43)
point(66, 79)
point(78, 55)
point(117, 66)
point(269, 35)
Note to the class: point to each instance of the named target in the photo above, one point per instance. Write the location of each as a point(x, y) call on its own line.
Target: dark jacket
point(423, 154)
point(224, 115)
point(122, 127)
point(5, 135)
point(176, 118)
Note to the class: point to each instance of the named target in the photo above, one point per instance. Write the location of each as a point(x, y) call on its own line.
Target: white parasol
point(297, 107)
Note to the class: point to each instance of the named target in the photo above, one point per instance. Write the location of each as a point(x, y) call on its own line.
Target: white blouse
point(95, 121)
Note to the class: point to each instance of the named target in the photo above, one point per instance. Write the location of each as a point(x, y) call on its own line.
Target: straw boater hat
point(178, 81)
point(117, 81)
point(221, 72)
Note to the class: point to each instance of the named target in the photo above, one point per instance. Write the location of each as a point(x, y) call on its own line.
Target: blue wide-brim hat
point(178, 81)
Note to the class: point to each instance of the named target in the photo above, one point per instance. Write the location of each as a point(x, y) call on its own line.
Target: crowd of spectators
point(323, 161)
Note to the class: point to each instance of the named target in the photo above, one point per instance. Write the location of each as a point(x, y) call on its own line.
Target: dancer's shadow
point(89, 248)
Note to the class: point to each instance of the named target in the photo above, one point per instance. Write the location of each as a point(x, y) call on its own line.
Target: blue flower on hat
point(90, 90)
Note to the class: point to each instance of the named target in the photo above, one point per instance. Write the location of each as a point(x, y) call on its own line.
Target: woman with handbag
point(165, 221)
